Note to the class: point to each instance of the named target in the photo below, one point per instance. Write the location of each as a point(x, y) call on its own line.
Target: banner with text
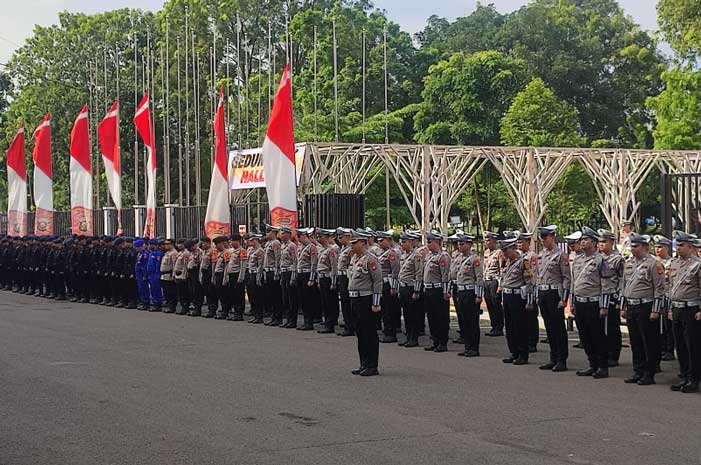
point(246, 167)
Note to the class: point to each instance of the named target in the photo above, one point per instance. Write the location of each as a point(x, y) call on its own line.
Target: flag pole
point(238, 78)
point(315, 90)
point(136, 104)
point(187, 108)
point(166, 117)
point(180, 135)
point(196, 73)
point(335, 80)
point(364, 77)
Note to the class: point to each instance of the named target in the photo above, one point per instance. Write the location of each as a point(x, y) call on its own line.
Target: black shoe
point(459, 340)
point(511, 359)
point(668, 357)
point(369, 372)
point(208, 315)
point(275, 322)
point(587, 372)
point(462, 354)
point(547, 366)
point(326, 330)
point(306, 328)
point(388, 339)
point(633, 379)
point(612, 363)
point(521, 361)
point(411, 343)
point(678, 387)
point(357, 371)
point(472, 353)
point(690, 387)
point(559, 367)
point(646, 381)
point(346, 333)
point(430, 348)
point(290, 325)
point(601, 373)
point(441, 348)
point(195, 313)
point(154, 308)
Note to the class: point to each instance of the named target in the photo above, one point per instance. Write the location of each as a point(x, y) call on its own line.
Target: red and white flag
point(144, 125)
point(17, 186)
point(43, 180)
point(217, 221)
point(279, 158)
point(81, 176)
point(108, 136)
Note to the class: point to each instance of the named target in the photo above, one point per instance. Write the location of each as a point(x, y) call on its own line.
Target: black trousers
point(533, 326)
point(679, 328)
point(494, 307)
point(687, 333)
point(454, 294)
point(210, 292)
point(438, 312)
point(516, 325)
point(348, 319)
point(196, 288)
point(170, 294)
point(390, 311)
point(288, 293)
point(237, 294)
point(273, 296)
point(368, 342)
point(668, 336)
point(591, 333)
point(555, 328)
point(255, 296)
point(615, 338)
point(644, 339)
point(182, 287)
point(413, 313)
point(307, 299)
point(329, 302)
point(469, 313)
point(222, 296)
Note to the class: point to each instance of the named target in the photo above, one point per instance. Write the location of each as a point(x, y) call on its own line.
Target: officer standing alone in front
point(365, 290)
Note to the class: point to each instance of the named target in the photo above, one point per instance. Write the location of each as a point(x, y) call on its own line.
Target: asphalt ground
point(84, 384)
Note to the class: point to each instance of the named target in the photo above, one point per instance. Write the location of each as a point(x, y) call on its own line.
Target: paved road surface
point(82, 384)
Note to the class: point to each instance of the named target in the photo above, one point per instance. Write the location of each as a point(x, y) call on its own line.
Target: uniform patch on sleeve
point(243, 254)
point(565, 259)
point(534, 260)
point(660, 269)
point(373, 265)
point(276, 245)
point(392, 256)
point(443, 263)
point(476, 262)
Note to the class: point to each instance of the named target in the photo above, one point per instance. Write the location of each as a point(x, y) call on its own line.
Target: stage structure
point(432, 177)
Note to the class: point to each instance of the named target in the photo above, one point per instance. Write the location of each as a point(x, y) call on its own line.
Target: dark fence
point(333, 210)
point(681, 207)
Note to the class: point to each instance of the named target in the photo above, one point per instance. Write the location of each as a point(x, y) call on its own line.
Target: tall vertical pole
point(136, 103)
point(187, 108)
point(116, 81)
point(238, 78)
point(387, 196)
point(247, 99)
point(363, 85)
point(270, 67)
point(166, 118)
point(335, 80)
point(198, 153)
point(227, 54)
point(166, 162)
point(260, 90)
point(316, 96)
point(180, 134)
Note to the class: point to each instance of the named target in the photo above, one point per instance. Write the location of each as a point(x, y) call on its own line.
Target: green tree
point(680, 21)
point(465, 98)
point(537, 117)
point(678, 110)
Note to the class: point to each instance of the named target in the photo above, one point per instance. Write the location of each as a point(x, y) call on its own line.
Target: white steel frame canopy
point(432, 177)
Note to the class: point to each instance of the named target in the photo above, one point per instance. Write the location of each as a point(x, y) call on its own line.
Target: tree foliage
point(538, 118)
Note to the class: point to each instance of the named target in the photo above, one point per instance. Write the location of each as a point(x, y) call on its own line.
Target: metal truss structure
point(431, 178)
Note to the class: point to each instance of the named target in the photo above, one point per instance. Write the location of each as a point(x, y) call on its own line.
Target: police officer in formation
point(373, 283)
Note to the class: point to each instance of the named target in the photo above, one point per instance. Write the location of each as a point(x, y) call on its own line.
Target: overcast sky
point(18, 17)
